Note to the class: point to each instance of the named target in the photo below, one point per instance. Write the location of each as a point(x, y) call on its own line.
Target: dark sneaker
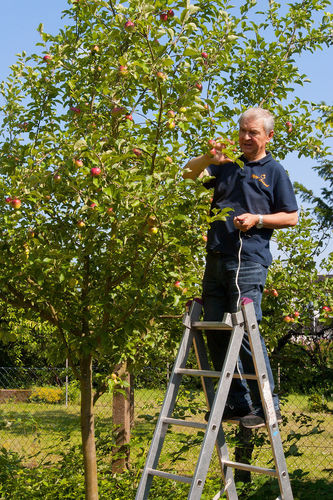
point(231, 413)
point(257, 420)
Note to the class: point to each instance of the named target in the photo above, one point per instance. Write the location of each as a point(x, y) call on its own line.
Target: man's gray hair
point(261, 113)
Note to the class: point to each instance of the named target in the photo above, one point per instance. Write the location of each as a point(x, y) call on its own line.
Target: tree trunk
point(88, 430)
point(122, 418)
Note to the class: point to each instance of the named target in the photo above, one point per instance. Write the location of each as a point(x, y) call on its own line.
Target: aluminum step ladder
point(236, 324)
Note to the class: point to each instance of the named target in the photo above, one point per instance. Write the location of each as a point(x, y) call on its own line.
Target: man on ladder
point(238, 254)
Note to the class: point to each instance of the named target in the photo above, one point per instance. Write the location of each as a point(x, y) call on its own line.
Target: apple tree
point(297, 306)
point(100, 235)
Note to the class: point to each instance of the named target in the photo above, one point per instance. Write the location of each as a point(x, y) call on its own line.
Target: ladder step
point(211, 325)
point(184, 423)
point(200, 373)
point(212, 373)
point(168, 475)
point(250, 468)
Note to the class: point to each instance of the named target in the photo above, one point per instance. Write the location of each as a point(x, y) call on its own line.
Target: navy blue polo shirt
point(260, 187)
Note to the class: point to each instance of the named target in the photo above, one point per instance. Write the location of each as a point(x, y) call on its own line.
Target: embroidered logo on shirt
point(260, 179)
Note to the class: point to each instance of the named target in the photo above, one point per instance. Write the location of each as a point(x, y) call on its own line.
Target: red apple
point(93, 205)
point(78, 162)
point(287, 319)
point(47, 57)
point(8, 199)
point(137, 151)
point(95, 171)
point(153, 230)
point(266, 291)
point(57, 177)
point(171, 13)
point(289, 127)
point(198, 86)
point(129, 117)
point(212, 143)
point(326, 308)
point(274, 292)
point(204, 237)
point(161, 76)
point(129, 25)
point(95, 48)
point(118, 110)
point(183, 109)
point(110, 209)
point(75, 110)
point(151, 221)
point(169, 159)
point(296, 314)
point(177, 284)
point(171, 125)
point(123, 70)
point(15, 203)
point(204, 55)
point(171, 113)
point(164, 16)
point(80, 223)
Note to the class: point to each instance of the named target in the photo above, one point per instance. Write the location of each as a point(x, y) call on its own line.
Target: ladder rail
point(209, 391)
point(267, 401)
point(167, 406)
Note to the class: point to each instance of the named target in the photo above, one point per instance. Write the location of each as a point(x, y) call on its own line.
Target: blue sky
point(20, 19)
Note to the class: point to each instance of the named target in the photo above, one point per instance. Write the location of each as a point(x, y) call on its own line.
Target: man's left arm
point(279, 220)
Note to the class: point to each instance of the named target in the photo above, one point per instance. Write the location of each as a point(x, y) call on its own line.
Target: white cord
point(239, 294)
point(239, 264)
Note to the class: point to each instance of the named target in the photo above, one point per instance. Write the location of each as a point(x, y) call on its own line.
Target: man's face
point(253, 138)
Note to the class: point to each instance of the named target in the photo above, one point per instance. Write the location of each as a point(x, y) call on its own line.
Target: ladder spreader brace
point(236, 323)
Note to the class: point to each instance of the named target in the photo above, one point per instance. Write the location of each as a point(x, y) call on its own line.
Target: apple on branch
point(129, 117)
point(129, 26)
point(78, 162)
point(137, 152)
point(161, 76)
point(57, 178)
point(15, 203)
point(47, 58)
point(80, 224)
point(123, 70)
point(199, 86)
point(76, 110)
point(95, 171)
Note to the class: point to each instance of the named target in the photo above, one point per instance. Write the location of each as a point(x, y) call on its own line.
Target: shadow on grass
point(303, 489)
point(49, 420)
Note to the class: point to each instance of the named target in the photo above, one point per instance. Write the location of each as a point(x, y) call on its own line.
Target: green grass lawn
point(38, 430)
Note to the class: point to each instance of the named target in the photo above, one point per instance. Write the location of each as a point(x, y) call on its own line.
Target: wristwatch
point(260, 223)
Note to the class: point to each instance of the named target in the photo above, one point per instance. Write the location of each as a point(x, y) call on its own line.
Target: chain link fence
point(40, 408)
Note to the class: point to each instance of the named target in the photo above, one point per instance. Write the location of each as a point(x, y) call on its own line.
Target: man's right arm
point(196, 167)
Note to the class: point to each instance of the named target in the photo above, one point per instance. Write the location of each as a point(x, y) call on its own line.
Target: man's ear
point(270, 135)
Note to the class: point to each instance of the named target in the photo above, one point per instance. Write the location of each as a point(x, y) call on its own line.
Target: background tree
point(100, 234)
point(298, 308)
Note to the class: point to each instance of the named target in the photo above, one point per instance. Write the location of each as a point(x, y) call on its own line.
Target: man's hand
point(244, 222)
point(216, 154)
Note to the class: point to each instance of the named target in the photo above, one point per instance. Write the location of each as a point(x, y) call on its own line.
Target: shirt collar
point(262, 161)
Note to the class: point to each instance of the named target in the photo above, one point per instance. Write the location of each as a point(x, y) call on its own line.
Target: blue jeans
point(220, 295)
